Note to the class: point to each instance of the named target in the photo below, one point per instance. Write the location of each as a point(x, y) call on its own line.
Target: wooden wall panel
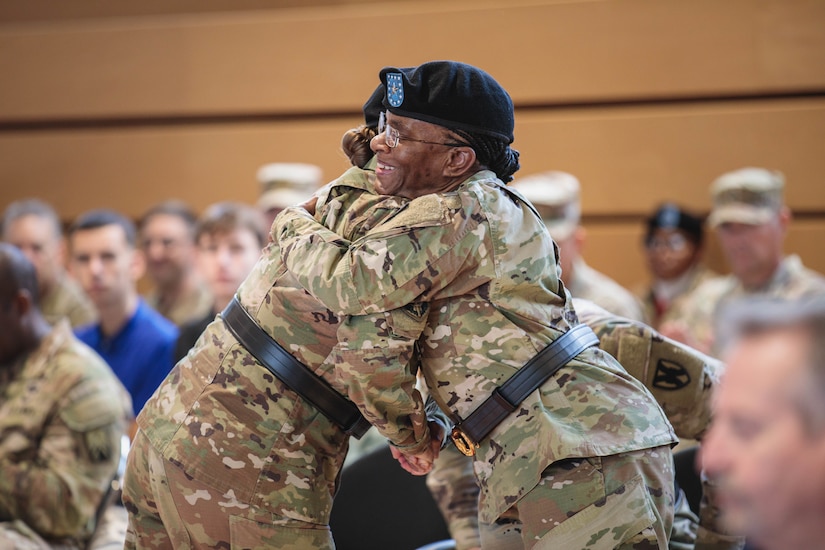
point(643, 101)
point(628, 158)
point(131, 169)
point(321, 59)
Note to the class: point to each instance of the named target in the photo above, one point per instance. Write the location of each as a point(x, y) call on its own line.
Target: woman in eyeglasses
point(673, 250)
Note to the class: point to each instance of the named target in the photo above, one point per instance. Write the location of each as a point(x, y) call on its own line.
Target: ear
point(23, 302)
point(579, 237)
point(138, 266)
point(61, 252)
point(785, 218)
point(460, 161)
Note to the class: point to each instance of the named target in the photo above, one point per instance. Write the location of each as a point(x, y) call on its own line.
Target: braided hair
point(493, 153)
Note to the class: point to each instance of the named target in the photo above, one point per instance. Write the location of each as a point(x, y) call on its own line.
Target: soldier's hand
point(417, 465)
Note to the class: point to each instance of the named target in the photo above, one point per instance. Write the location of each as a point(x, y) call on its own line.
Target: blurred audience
point(751, 221)
point(62, 416)
point(34, 227)
point(167, 238)
point(673, 246)
point(285, 184)
point(229, 238)
point(765, 451)
point(136, 341)
point(556, 196)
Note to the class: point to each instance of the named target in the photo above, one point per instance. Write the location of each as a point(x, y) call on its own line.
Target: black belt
point(292, 372)
point(505, 398)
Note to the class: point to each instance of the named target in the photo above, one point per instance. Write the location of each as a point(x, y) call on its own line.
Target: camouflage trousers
point(168, 509)
point(622, 501)
point(16, 534)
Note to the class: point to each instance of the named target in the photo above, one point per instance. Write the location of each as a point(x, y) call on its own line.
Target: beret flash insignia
point(395, 89)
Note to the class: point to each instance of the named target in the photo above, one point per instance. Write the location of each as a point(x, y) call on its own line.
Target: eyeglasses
point(674, 242)
point(392, 137)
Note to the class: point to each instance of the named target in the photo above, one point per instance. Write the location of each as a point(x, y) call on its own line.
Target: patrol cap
point(672, 216)
point(450, 94)
point(285, 184)
point(557, 197)
point(749, 195)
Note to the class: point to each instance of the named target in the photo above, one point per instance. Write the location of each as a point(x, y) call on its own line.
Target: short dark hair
point(223, 217)
point(31, 207)
point(101, 217)
point(172, 207)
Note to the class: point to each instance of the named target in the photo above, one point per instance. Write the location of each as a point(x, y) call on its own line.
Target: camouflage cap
point(750, 195)
point(556, 195)
point(287, 183)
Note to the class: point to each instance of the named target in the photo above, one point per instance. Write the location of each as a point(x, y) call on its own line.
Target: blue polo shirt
point(141, 354)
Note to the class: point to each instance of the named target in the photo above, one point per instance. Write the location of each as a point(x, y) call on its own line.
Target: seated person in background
point(136, 341)
point(765, 449)
point(751, 221)
point(229, 238)
point(34, 227)
point(556, 196)
point(673, 250)
point(62, 416)
point(284, 184)
point(167, 238)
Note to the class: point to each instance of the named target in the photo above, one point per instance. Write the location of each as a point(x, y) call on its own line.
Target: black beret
point(671, 216)
point(374, 107)
point(450, 94)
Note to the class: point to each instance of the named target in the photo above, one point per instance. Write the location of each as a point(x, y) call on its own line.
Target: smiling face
point(412, 169)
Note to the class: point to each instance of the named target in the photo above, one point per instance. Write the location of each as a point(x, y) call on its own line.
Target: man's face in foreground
point(768, 461)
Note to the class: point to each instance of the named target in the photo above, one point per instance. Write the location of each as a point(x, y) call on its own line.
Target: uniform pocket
point(604, 526)
point(249, 534)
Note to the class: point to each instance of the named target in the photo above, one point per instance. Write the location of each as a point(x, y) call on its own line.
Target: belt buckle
point(463, 442)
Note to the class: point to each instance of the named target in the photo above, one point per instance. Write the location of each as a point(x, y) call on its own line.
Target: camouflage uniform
point(791, 280)
point(67, 299)
point(600, 289)
point(193, 305)
point(475, 273)
point(226, 454)
point(681, 380)
point(556, 196)
point(655, 315)
point(62, 415)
